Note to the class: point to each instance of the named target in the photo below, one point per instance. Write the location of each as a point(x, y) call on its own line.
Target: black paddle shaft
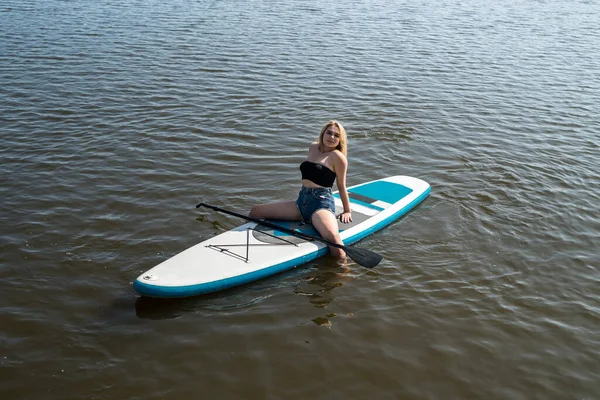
point(271, 225)
point(363, 257)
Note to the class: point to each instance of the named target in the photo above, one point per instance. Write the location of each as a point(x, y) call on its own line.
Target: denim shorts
point(313, 199)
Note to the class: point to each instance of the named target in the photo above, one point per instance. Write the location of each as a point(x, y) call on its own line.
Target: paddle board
point(252, 251)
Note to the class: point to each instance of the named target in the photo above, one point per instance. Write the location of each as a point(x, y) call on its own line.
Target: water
point(118, 117)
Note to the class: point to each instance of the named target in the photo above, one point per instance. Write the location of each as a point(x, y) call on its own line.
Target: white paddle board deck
point(252, 251)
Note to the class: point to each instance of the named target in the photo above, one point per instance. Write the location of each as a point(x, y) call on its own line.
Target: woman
point(326, 162)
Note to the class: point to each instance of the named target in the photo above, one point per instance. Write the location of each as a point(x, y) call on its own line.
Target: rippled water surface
point(117, 117)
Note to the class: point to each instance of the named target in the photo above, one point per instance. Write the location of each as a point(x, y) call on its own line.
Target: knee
point(253, 212)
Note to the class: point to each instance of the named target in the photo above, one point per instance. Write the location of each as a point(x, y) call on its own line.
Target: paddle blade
point(363, 257)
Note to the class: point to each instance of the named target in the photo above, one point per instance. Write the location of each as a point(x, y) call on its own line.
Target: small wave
point(402, 135)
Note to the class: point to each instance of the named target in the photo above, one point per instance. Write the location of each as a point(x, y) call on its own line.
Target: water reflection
point(234, 298)
point(319, 287)
point(157, 308)
point(151, 308)
point(315, 281)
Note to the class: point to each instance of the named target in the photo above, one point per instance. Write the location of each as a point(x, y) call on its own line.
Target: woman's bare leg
point(283, 210)
point(326, 224)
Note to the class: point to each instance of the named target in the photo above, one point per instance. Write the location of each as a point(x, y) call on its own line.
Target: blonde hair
point(343, 145)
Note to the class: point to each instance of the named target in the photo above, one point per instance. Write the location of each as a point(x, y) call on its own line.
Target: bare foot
point(344, 263)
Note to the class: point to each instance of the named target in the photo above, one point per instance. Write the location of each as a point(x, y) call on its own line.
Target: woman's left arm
point(341, 166)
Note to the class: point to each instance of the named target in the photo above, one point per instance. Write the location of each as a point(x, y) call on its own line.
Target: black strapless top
point(317, 173)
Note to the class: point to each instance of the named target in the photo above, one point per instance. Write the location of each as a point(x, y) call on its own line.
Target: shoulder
point(339, 160)
point(339, 156)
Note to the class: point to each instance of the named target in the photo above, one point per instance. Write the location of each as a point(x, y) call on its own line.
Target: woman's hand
point(345, 217)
